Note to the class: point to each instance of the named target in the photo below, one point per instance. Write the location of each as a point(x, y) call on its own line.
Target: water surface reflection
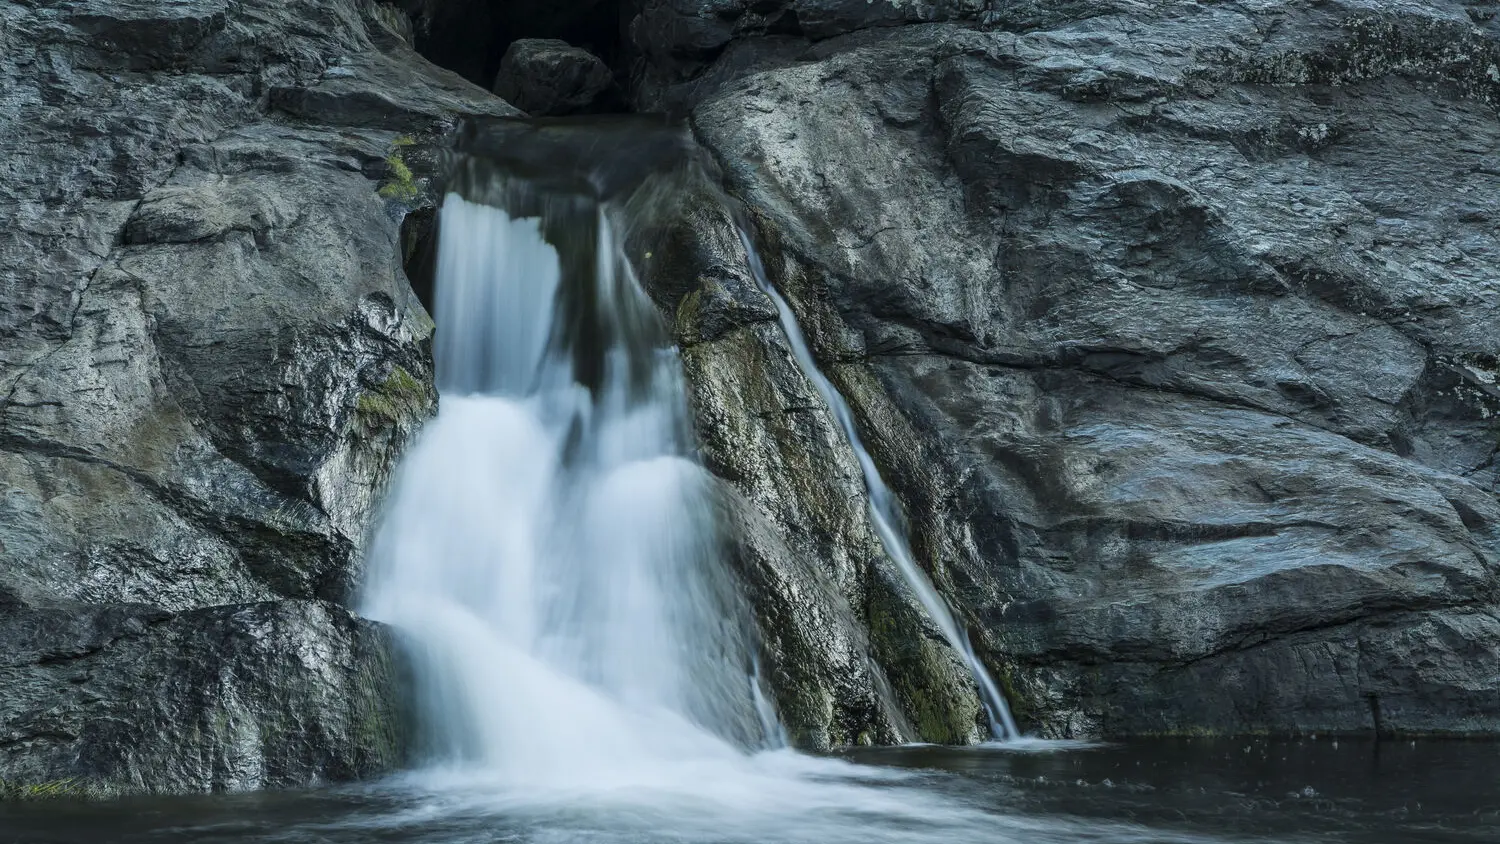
point(1161, 792)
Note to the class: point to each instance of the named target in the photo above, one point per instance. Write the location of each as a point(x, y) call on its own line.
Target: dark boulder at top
point(472, 36)
point(545, 77)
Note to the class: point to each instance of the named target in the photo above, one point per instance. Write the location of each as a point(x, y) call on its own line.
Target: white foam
point(585, 667)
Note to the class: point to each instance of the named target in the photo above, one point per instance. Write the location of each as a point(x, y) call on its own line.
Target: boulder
point(124, 698)
point(545, 77)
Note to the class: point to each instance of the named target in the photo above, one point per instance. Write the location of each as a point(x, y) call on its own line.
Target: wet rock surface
point(209, 360)
point(1174, 327)
point(851, 656)
point(130, 698)
point(545, 76)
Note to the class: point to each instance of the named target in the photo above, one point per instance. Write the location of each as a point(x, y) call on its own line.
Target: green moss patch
point(396, 399)
point(400, 184)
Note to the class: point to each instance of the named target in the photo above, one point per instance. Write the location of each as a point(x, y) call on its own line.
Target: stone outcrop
point(1174, 328)
point(209, 359)
point(223, 698)
point(851, 655)
point(545, 76)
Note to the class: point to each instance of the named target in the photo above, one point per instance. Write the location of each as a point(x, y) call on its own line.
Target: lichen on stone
point(400, 396)
point(16, 790)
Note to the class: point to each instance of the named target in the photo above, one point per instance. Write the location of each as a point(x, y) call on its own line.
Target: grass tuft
point(400, 184)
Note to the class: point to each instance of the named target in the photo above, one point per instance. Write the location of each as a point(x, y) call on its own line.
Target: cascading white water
point(547, 545)
point(586, 669)
point(884, 514)
point(546, 552)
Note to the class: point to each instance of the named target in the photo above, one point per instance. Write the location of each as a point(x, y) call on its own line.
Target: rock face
point(234, 697)
point(1174, 326)
point(209, 359)
point(545, 76)
point(851, 656)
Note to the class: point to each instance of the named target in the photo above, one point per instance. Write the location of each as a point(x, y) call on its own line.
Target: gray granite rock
point(209, 360)
point(1174, 327)
point(130, 698)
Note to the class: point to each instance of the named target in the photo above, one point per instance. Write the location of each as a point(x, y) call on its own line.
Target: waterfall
point(547, 547)
point(883, 507)
point(584, 658)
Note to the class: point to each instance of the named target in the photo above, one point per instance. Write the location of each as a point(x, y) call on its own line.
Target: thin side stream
point(582, 652)
point(883, 507)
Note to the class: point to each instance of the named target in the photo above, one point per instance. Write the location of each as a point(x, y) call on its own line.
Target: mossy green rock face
point(850, 658)
point(395, 400)
point(48, 790)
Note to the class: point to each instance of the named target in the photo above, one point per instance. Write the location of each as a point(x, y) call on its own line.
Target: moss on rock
point(401, 183)
point(399, 397)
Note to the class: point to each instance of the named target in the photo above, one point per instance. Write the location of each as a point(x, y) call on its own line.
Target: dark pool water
point(1393, 792)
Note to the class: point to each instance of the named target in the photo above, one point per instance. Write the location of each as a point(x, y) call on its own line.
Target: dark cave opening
point(470, 37)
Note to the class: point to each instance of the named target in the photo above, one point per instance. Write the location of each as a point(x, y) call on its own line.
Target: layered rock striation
point(209, 360)
point(1173, 326)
